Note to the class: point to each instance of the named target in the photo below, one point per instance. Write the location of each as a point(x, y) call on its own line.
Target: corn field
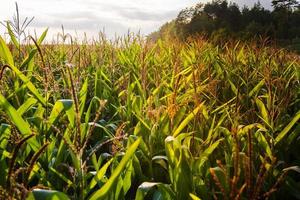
point(134, 119)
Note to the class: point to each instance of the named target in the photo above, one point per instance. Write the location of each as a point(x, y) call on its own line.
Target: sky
point(91, 16)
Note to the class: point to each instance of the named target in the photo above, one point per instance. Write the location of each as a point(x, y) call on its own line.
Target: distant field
point(131, 119)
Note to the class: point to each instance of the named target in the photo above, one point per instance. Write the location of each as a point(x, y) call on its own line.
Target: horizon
point(91, 17)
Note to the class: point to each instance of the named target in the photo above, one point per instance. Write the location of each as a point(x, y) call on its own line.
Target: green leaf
point(127, 177)
point(28, 84)
point(263, 111)
point(5, 131)
point(29, 57)
point(5, 53)
point(221, 177)
point(42, 37)
point(208, 151)
point(233, 88)
point(26, 106)
point(39, 194)
point(100, 174)
point(194, 197)
point(263, 143)
point(61, 176)
point(256, 88)
point(179, 166)
point(106, 188)
point(62, 105)
point(169, 141)
point(283, 133)
point(93, 103)
point(185, 122)
point(18, 121)
point(28, 60)
point(145, 187)
point(82, 96)
point(75, 160)
point(12, 35)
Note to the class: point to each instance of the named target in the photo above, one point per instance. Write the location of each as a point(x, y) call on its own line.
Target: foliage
point(217, 17)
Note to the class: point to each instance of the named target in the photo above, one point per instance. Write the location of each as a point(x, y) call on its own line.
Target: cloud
point(137, 14)
point(113, 18)
point(80, 20)
point(90, 26)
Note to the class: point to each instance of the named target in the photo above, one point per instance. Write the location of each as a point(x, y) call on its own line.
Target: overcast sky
point(91, 16)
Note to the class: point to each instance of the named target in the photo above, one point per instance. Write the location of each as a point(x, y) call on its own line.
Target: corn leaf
point(100, 174)
point(146, 187)
point(256, 88)
point(283, 133)
point(18, 121)
point(40, 194)
point(194, 197)
point(263, 111)
point(5, 53)
point(185, 122)
point(12, 35)
point(42, 37)
point(26, 106)
point(62, 105)
point(106, 188)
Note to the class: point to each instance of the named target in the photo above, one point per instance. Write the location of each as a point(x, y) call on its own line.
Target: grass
point(133, 119)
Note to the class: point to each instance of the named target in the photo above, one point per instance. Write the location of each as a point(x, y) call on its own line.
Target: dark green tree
point(221, 20)
point(183, 19)
point(285, 4)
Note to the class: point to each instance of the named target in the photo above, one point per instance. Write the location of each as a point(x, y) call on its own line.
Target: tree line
point(221, 20)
